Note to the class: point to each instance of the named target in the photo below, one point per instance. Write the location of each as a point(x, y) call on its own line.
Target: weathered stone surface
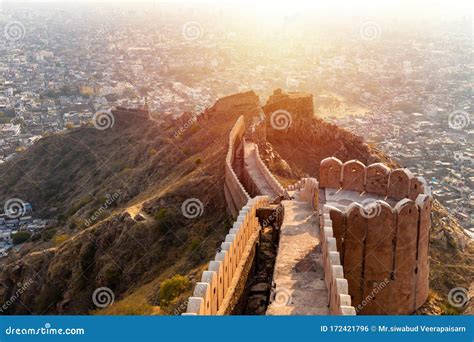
point(339, 230)
point(297, 104)
point(422, 283)
point(260, 287)
point(210, 277)
point(354, 249)
point(402, 291)
point(330, 173)
point(378, 260)
point(377, 179)
point(416, 188)
point(399, 184)
point(353, 176)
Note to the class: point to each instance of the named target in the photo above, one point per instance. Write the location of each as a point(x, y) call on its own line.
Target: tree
point(20, 237)
point(171, 288)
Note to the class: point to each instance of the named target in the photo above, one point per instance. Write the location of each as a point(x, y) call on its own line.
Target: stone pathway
point(299, 274)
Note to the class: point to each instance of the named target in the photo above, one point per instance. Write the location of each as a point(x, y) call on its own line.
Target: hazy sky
point(459, 6)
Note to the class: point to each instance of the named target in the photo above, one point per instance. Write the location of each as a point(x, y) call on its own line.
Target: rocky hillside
point(117, 197)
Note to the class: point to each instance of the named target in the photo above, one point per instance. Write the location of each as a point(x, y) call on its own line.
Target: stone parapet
point(235, 194)
point(216, 292)
point(382, 248)
point(269, 177)
point(375, 178)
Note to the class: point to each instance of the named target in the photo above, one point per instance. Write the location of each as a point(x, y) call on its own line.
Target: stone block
point(195, 306)
point(210, 277)
point(378, 260)
point(353, 176)
point(354, 251)
point(330, 173)
point(377, 179)
point(424, 225)
point(402, 287)
point(399, 184)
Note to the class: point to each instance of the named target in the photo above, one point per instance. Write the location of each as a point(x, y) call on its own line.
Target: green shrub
point(48, 234)
point(20, 237)
point(170, 289)
point(166, 218)
point(195, 243)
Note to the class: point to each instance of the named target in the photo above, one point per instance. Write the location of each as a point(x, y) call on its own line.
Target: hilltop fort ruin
point(354, 241)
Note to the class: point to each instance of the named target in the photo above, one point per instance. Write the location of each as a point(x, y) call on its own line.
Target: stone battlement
point(375, 178)
point(379, 220)
point(235, 194)
point(221, 284)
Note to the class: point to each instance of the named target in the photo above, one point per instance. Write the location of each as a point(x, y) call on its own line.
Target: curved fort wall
point(223, 283)
point(269, 177)
point(235, 194)
point(383, 249)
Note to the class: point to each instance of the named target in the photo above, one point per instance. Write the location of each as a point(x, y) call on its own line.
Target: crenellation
point(383, 247)
point(399, 184)
point(330, 173)
point(377, 179)
point(218, 283)
point(353, 175)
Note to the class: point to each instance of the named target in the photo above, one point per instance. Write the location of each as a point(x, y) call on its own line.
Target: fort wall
point(222, 283)
point(269, 177)
point(383, 248)
point(375, 178)
point(235, 194)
